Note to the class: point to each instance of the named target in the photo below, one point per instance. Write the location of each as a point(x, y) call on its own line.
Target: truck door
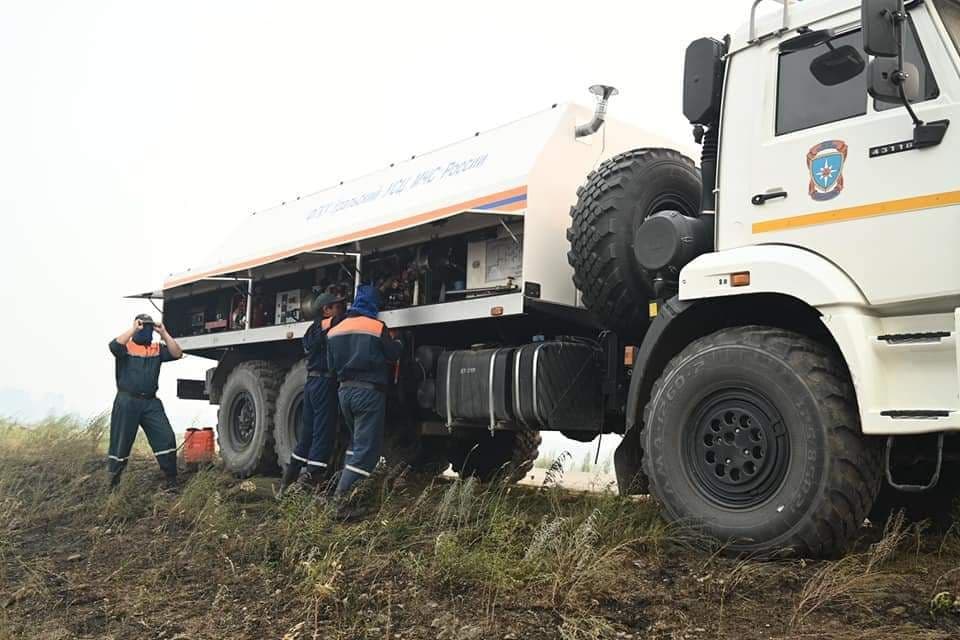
point(822, 166)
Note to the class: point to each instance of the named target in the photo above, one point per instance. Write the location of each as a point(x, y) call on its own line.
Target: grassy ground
point(439, 559)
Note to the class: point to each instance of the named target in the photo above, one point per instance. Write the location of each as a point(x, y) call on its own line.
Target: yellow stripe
point(889, 207)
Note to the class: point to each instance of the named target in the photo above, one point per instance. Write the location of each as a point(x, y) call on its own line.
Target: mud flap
point(631, 480)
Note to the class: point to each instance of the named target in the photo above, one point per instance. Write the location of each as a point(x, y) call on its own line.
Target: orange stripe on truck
point(386, 227)
point(889, 207)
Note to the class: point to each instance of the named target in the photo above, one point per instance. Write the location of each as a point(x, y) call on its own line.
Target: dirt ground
point(435, 558)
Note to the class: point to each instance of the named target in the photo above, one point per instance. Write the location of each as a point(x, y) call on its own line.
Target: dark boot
point(310, 480)
point(115, 480)
point(290, 475)
point(350, 511)
point(170, 484)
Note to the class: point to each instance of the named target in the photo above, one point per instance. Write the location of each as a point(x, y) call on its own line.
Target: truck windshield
point(950, 14)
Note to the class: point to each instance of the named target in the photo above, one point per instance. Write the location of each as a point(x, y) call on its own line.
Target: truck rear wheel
point(403, 447)
point(753, 433)
point(245, 419)
point(507, 454)
point(288, 421)
point(617, 197)
point(289, 415)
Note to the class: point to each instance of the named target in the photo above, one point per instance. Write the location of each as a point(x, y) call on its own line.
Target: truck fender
point(808, 279)
point(667, 313)
point(780, 269)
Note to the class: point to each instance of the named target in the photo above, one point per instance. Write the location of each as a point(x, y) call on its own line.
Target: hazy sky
point(134, 135)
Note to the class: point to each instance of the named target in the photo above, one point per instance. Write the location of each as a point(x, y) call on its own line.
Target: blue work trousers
point(318, 430)
point(364, 411)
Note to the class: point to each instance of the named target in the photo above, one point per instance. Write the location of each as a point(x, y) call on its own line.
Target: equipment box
point(471, 382)
point(288, 307)
point(557, 386)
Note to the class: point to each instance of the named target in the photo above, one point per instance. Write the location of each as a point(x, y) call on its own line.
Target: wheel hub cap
point(244, 418)
point(739, 453)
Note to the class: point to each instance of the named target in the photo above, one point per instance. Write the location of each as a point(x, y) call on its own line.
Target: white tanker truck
point(778, 344)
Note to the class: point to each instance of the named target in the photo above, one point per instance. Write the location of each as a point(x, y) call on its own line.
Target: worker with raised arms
point(360, 347)
point(138, 359)
point(321, 413)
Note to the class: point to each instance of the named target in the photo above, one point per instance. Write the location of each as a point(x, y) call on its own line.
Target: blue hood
point(366, 302)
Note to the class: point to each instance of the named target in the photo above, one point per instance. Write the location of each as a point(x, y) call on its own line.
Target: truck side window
point(950, 14)
point(913, 54)
point(803, 102)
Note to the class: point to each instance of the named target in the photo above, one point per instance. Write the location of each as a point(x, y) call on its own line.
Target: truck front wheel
point(752, 433)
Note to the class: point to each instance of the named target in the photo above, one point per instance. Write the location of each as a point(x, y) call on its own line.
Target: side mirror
point(703, 81)
point(837, 66)
point(882, 21)
point(887, 78)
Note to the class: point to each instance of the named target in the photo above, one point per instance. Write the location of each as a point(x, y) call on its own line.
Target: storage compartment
point(469, 256)
point(289, 305)
point(474, 386)
point(494, 262)
point(557, 386)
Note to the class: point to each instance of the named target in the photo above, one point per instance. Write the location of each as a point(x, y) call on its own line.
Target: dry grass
point(436, 559)
point(854, 580)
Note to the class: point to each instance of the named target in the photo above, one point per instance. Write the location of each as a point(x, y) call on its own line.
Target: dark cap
point(326, 298)
point(143, 317)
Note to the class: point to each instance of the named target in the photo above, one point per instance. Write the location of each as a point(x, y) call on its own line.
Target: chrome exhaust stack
point(604, 93)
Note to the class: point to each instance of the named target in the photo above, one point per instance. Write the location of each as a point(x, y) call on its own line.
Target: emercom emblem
point(825, 162)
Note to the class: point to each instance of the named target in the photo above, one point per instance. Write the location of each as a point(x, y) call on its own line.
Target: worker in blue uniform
point(360, 347)
point(138, 359)
point(318, 429)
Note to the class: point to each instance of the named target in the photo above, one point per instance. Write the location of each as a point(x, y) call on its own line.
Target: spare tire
point(507, 454)
point(617, 197)
point(245, 419)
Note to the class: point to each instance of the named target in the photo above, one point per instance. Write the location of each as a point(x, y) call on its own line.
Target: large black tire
point(289, 415)
point(405, 449)
point(617, 197)
point(753, 434)
point(508, 455)
point(245, 420)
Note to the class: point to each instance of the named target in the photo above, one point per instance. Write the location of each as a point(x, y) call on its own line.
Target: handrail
point(753, 20)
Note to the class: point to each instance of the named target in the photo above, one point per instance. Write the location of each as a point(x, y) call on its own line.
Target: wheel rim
point(243, 419)
point(737, 449)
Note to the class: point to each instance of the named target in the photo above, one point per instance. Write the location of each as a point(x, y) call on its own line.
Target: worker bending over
point(138, 359)
point(359, 348)
point(321, 413)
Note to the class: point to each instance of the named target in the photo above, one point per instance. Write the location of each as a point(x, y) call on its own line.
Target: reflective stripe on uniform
point(164, 452)
point(117, 459)
point(357, 324)
point(296, 457)
point(311, 463)
point(143, 351)
point(349, 452)
point(350, 467)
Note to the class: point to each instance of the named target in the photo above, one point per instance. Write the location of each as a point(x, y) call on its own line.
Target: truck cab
point(827, 153)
